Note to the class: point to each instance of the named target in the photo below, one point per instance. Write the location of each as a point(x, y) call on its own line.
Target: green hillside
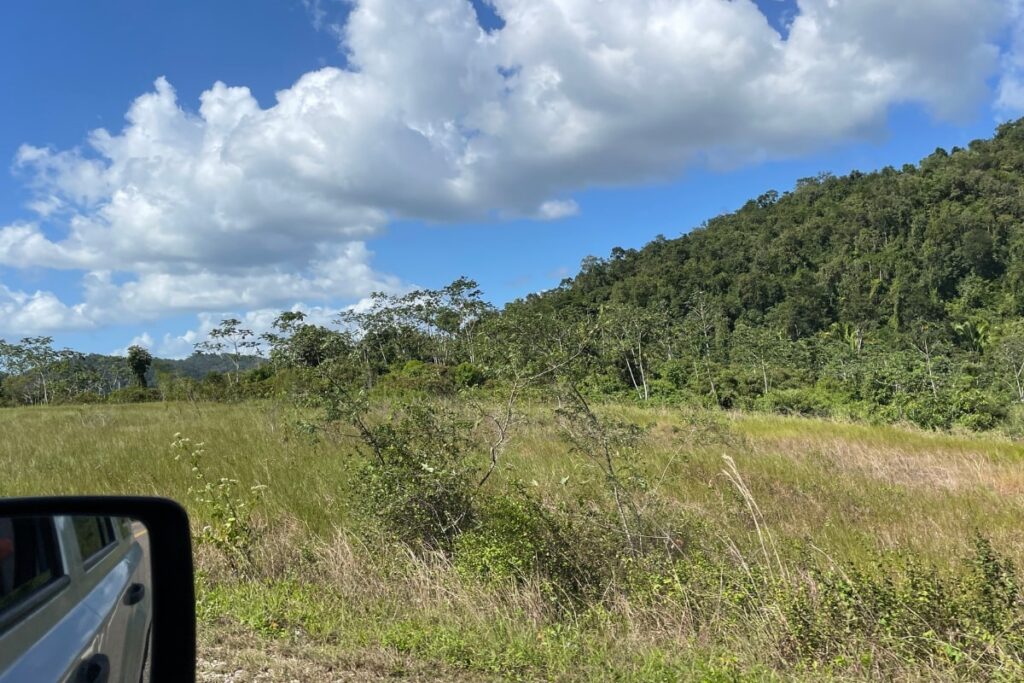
point(894, 295)
point(942, 242)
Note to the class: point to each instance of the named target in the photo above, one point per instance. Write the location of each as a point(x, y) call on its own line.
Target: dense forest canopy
point(941, 242)
point(894, 295)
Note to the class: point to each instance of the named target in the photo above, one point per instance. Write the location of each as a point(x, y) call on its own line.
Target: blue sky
point(517, 223)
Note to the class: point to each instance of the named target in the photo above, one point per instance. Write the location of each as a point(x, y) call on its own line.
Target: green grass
point(344, 600)
point(126, 449)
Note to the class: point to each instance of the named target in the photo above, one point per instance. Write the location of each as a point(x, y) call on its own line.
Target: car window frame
point(14, 614)
point(92, 561)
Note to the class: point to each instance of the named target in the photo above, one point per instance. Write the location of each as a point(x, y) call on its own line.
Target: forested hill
point(942, 242)
point(199, 365)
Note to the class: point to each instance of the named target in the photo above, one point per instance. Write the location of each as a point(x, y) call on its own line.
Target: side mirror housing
point(112, 555)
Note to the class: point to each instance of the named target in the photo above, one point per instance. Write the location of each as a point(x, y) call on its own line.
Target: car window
point(94, 534)
point(29, 558)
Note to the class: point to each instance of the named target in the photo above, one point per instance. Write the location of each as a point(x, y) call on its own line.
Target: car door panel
point(117, 639)
point(56, 655)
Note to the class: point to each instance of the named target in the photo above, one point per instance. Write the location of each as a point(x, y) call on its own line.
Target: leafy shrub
point(606, 384)
point(418, 377)
point(134, 395)
point(468, 375)
point(808, 402)
point(964, 618)
point(419, 479)
point(928, 412)
point(231, 529)
point(516, 539)
point(677, 373)
point(1013, 423)
point(215, 386)
point(968, 408)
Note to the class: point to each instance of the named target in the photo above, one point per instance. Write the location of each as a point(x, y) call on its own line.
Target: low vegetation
point(779, 547)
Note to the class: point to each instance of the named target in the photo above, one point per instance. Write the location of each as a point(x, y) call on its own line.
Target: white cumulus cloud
point(234, 206)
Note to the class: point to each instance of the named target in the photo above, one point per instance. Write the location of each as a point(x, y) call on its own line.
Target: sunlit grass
point(843, 486)
point(847, 490)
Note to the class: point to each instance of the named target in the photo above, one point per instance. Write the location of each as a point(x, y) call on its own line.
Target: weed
point(231, 528)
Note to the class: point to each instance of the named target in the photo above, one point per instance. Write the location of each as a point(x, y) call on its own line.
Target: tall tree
point(234, 341)
point(139, 359)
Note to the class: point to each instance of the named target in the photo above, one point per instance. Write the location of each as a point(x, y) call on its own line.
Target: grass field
point(335, 601)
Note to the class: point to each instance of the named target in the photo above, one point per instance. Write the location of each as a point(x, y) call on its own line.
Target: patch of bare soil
point(234, 655)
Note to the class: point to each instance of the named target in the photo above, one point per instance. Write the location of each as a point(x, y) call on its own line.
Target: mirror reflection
point(75, 599)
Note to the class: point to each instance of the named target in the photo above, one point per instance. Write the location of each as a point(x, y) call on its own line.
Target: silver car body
point(100, 610)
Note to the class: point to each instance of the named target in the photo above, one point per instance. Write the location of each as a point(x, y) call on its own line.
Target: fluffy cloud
point(25, 314)
point(237, 206)
point(1010, 92)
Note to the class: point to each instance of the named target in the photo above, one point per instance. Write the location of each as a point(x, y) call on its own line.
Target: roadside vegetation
point(821, 550)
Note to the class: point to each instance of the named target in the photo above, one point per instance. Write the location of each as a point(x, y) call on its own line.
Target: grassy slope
point(328, 602)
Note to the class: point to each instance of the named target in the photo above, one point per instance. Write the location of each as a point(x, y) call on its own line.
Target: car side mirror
point(95, 589)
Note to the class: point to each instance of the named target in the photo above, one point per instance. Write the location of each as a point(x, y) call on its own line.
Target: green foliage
point(231, 529)
point(902, 288)
point(516, 539)
point(139, 360)
point(812, 402)
point(295, 343)
point(418, 377)
point(419, 478)
point(965, 618)
point(507, 542)
point(134, 395)
point(1014, 422)
point(468, 375)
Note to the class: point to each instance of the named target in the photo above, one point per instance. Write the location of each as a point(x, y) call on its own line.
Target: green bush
point(808, 402)
point(134, 395)
point(607, 384)
point(968, 408)
point(677, 373)
point(418, 378)
point(1013, 423)
point(964, 618)
point(515, 538)
point(419, 478)
point(977, 410)
point(468, 375)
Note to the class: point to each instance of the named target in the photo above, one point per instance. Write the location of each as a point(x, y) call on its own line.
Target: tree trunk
point(632, 377)
point(1018, 373)
point(643, 374)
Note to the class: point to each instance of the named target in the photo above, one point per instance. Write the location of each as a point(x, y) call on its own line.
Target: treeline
point(34, 372)
point(448, 340)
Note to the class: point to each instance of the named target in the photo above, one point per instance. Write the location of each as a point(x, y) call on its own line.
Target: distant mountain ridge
point(197, 366)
